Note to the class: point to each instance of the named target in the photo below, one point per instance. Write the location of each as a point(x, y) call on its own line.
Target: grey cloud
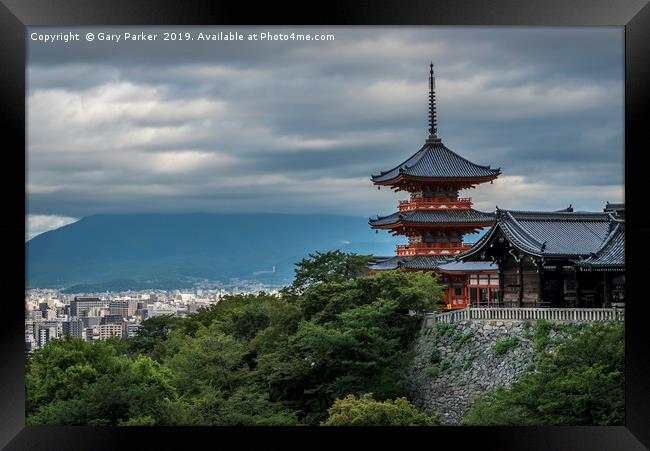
point(299, 127)
point(37, 224)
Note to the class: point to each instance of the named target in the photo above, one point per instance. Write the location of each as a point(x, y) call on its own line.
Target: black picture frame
point(16, 15)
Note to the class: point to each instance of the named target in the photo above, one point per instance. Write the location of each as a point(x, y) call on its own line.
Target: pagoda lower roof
point(415, 262)
point(435, 161)
point(468, 217)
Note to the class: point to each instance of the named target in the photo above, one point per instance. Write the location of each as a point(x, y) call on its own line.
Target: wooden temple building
point(434, 218)
point(556, 259)
point(527, 258)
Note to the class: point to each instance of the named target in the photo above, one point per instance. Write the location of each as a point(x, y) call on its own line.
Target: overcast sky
point(298, 127)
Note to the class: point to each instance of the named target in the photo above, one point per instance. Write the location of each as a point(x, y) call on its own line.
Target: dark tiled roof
point(553, 234)
point(476, 247)
point(424, 262)
point(463, 267)
point(411, 262)
point(469, 216)
point(375, 260)
point(613, 207)
point(385, 264)
point(612, 253)
point(435, 160)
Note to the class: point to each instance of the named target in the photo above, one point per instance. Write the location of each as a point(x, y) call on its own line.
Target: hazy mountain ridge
point(171, 249)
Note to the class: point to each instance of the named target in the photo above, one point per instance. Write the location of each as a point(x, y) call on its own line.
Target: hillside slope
point(171, 250)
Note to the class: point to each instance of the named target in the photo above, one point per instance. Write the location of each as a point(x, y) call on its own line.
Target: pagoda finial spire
point(433, 126)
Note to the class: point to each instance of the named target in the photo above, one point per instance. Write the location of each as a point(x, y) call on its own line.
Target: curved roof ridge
point(618, 228)
point(613, 217)
point(379, 218)
point(524, 235)
point(399, 166)
point(411, 262)
point(509, 234)
point(611, 253)
point(435, 160)
point(522, 215)
point(465, 216)
point(476, 246)
point(548, 234)
point(558, 212)
point(465, 159)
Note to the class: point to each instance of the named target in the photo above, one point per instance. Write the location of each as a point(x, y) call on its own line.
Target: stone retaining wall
point(467, 364)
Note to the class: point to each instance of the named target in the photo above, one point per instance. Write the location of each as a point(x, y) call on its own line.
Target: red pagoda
point(434, 218)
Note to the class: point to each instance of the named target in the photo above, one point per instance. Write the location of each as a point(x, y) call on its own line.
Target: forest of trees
point(332, 349)
point(582, 382)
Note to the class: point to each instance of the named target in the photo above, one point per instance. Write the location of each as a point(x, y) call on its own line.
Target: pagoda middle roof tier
point(440, 217)
point(442, 263)
point(435, 161)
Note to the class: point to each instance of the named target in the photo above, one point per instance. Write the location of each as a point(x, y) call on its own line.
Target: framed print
point(242, 219)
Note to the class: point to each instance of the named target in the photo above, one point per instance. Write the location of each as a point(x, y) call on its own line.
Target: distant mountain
point(136, 251)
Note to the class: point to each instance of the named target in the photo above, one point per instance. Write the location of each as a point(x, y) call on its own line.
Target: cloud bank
point(298, 127)
point(37, 224)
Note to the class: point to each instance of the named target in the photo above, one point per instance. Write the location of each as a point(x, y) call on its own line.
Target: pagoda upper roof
point(468, 216)
point(557, 234)
point(435, 161)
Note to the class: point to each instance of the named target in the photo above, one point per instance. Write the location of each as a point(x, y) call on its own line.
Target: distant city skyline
point(298, 127)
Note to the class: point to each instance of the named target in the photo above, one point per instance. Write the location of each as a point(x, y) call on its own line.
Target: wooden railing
point(527, 314)
point(434, 203)
point(432, 248)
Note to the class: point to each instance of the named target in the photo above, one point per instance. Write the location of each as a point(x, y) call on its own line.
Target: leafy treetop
point(333, 266)
point(366, 411)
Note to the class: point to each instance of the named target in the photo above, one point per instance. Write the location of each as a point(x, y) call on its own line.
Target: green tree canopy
point(365, 411)
point(151, 337)
point(581, 382)
point(333, 266)
point(247, 360)
point(213, 365)
point(74, 382)
point(354, 338)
